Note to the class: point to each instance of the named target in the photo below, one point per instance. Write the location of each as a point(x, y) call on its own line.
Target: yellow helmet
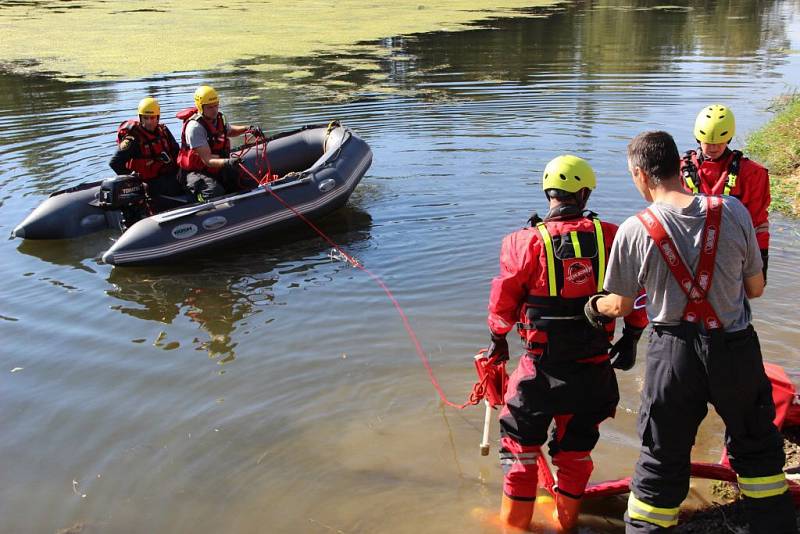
point(715, 124)
point(568, 173)
point(148, 107)
point(205, 95)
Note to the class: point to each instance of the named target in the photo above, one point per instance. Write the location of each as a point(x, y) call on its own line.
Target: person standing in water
point(715, 169)
point(548, 271)
point(698, 259)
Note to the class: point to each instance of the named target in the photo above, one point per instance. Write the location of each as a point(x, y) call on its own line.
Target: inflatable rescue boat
point(311, 171)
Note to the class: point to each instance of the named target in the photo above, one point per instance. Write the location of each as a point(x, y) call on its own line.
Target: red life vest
point(218, 141)
point(150, 163)
point(552, 322)
point(698, 309)
point(724, 186)
point(733, 175)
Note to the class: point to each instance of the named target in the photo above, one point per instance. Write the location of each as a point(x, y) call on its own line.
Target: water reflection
point(221, 294)
point(81, 253)
point(215, 303)
point(587, 37)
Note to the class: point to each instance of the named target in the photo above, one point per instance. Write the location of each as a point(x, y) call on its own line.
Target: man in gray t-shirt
point(636, 263)
point(207, 165)
point(701, 352)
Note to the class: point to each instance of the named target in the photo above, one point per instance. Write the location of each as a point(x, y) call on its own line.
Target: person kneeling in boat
point(147, 147)
point(548, 272)
point(207, 166)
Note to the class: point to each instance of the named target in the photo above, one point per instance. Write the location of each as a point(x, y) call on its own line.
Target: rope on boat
point(252, 141)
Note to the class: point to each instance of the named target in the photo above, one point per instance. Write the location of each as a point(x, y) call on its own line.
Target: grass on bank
point(777, 146)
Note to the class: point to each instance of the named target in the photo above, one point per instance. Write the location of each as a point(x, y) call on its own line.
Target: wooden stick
point(487, 420)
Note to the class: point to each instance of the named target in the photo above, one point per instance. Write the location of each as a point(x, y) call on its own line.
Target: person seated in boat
point(548, 271)
point(147, 147)
point(715, 169)
point(207, 168)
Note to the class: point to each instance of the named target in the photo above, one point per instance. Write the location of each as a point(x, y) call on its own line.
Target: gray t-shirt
point(635, 262)
point(197, 136)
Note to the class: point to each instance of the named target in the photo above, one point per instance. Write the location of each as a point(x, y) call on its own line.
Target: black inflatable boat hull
point(67, 214)
point(320, 165)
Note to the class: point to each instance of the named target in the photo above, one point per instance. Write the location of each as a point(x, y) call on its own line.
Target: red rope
point(261, 158)
point(478, 391)
point(546, 479)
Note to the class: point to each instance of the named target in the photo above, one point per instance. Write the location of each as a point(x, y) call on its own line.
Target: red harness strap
point(696, 287)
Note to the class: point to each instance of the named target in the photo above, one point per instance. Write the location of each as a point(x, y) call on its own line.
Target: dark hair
point(656, 154)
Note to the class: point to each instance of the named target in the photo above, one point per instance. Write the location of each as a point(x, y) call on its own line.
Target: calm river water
point(270, 388)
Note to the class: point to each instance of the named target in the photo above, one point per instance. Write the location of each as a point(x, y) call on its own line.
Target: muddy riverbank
point(727, 514)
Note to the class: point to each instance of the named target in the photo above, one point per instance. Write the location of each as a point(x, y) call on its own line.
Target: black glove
point(256, 130)
point(623, 353)
point(765, 261)
point(499, 348)
point(232, 163)
point(165, 158)
point(595, 318)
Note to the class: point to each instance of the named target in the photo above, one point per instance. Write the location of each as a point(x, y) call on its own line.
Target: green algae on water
point(98, 39)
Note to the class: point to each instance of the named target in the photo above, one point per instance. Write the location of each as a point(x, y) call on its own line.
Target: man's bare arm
point(754, 286)
point(613, 305)
point(211, 160)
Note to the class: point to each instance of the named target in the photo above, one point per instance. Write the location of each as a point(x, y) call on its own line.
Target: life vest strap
point(732, 173)
point(601, 253)
point(690, 177)
point(551, 264)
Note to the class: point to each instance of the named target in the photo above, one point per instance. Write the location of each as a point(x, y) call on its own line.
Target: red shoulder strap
point(695, 287)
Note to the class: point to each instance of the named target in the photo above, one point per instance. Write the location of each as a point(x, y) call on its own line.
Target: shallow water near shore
point(271, 388)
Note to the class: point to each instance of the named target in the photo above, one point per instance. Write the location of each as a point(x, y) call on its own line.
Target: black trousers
point(685, 371)
point(536, 393)
point(578, 397)
point(164, 185)
point(206, 187)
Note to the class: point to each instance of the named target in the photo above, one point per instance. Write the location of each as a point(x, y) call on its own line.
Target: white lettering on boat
point(182, 231)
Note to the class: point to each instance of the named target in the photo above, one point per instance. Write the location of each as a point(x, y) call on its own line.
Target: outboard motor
point(128, 194)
